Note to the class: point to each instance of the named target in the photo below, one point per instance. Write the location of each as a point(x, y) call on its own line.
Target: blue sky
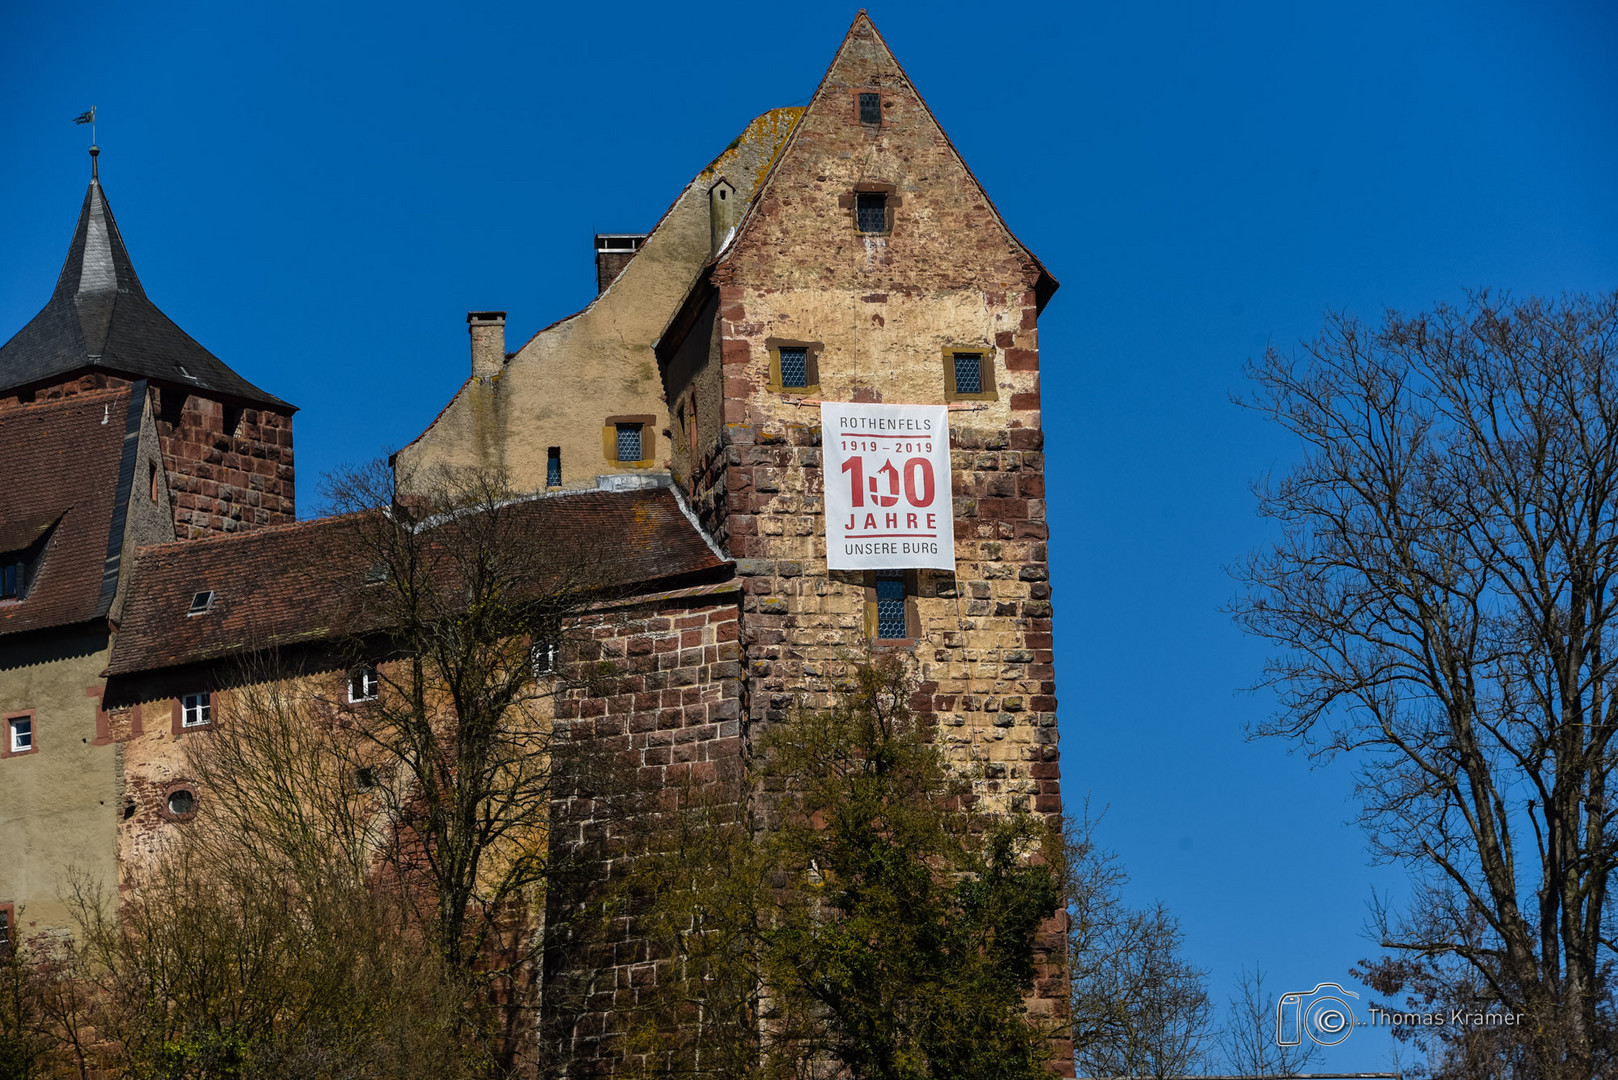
point(320, 192)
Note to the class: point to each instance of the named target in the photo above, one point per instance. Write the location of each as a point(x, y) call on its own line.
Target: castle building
point(116, 429)
point(839, 252)
point(843, 252)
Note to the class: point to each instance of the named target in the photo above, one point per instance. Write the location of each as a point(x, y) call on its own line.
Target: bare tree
point(1249, 1039)
point(1443, 596)
point(461, 608)
point(1138, 1007)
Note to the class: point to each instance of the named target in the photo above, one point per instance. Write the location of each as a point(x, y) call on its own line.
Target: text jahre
point(891, 521)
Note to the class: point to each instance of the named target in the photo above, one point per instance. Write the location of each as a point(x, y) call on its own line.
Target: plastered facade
point(559, 388)
point(59, 804)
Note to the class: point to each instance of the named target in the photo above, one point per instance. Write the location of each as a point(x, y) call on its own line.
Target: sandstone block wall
point(657, 709)
point(228, 468)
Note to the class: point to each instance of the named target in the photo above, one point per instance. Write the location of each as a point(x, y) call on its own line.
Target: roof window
point(201, 603)
point(12, 576)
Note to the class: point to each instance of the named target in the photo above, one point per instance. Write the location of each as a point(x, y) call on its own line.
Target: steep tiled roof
point(100, 318)
point(60, 482)
point(305, 583)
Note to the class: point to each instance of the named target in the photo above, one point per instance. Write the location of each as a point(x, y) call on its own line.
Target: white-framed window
point(543, 656)
point(364, 683)
point(196, 710)
point(20, 734)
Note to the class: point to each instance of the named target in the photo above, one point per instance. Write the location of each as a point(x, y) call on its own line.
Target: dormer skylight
point(201, 603)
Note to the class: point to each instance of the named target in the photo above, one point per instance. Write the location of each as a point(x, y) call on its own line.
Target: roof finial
point(95, 152)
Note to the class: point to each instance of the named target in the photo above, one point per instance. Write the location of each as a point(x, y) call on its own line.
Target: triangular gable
point(829, 153)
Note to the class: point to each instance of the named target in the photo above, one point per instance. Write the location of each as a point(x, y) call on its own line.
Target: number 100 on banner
point(888, 504)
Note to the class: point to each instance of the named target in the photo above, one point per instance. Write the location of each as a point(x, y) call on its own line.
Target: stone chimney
point(488, 330)
point(724, 210)
point(613, 252)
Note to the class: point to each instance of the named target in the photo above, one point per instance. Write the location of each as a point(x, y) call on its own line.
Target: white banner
point(887, 486)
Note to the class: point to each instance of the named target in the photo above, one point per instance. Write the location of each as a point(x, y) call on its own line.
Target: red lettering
point(856, 482)
point(924, 468)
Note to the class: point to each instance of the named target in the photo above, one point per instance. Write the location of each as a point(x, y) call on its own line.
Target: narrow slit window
point(629, 442)
point(795, 368)
point(968, 373)
point(553, 467)
point(870, 108)
point(890, 604)
point(196, 710)
point(871, 211)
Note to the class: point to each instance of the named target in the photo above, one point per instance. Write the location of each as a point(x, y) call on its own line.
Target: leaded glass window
point(968, 373)
point(628, 442)
point(870, 108)
point(795, 367)
point(871, 209)
point(553, 467)
point(890, 604)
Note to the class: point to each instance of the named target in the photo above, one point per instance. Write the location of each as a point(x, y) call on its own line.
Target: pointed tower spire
point(99, 317)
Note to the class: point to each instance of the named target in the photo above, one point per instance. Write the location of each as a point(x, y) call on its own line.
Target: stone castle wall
point(228, 467)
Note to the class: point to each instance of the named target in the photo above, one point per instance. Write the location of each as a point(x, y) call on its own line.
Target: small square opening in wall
point(196, 710)
point(969, 375)
point(629, 442)
point(870, 105)
point(364, 683)
point(20, 735)
point(543, 655)
point(794, 366)
point(871, 211)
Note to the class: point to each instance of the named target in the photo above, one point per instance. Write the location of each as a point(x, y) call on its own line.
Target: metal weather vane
point(88, 118)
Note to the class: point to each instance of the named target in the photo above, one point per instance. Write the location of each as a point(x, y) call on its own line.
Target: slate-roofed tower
point(227, 445)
